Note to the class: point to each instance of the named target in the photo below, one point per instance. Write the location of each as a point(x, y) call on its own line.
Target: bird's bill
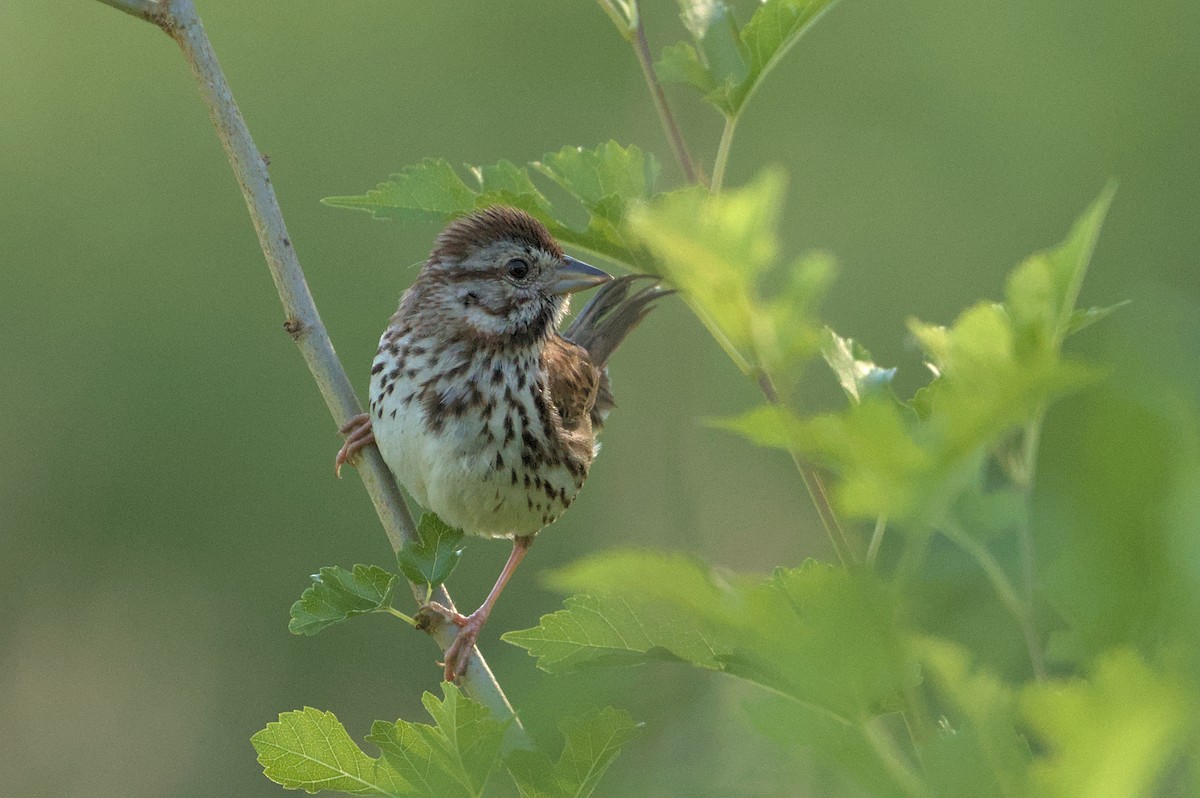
point(575, 275)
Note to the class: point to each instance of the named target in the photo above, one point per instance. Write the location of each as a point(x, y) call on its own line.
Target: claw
point(359, 434)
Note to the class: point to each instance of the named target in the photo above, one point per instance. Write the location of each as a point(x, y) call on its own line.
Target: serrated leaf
point(718, 251)
point(726, 63)
point(337, 594)
point(454, 757)
point(433, 559)
point(310, 750)
point(428, 191)
point(822, 635)
point(609, 631)
point(853, 366)
point(1114, 734)
point(603, 180)
point(590, 746)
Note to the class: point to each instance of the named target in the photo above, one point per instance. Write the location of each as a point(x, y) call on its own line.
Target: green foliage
point(1114, 734)
point(431, 561)
point(455, 757)
point(590, 744)
point(337, 594)
point(720, 252)
point(603, 181)
point(725, 62)
point(310, 750)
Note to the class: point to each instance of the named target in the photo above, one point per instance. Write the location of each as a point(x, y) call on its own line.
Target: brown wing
point(574, 382)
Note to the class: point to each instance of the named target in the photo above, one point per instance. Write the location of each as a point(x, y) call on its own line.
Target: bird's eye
point(518, 268)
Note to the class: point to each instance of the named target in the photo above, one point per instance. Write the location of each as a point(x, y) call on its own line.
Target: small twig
point(148, 10)
point(815, 487)
point(876, 540)
point(718, 176)
point(1007, 594)
point(303, 323)
point(670, 127)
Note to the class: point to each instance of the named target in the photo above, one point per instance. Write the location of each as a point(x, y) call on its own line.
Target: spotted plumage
point(482, 408)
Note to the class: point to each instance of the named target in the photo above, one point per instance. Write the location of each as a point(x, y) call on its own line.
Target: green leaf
point(978, 750)
point(852, 364)
point(727, 64)
point(455, 757)
point(432, 560)
point(337, 594)
point(603, 181)
point(719, 251)
point(591, 744)
point(1115, 734)
point(310, 750)
point(822, 635)
point(1083, 318)
point(609, 631)
point(1042, 292)
point(425, 192)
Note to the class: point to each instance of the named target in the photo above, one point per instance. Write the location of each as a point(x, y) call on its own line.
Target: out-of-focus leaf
point(718, 251)
point(590, 746)
point(727, 63)
point(1083, 318)
point(852, 364)
point(453, 758)
point(603, 180)
point(337, 594)
point(1115, 734)
point(822, 635)
point(432, 560)
point(310, 750)
point(978, 750)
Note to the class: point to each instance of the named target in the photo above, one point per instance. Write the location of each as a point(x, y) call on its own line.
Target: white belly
point(455, 471)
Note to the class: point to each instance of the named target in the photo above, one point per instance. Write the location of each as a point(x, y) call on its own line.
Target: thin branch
point(149, 10)
point(876, 540)
point(670, 127)
point(1007, 594)
point(815, 487)
point(303, 323)
point(718, 175)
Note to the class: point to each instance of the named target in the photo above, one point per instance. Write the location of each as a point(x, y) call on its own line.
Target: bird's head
point(499, 273)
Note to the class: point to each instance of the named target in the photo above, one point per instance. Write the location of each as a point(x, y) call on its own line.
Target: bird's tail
point(612, 314)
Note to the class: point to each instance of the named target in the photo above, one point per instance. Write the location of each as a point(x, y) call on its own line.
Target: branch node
point(294, 327)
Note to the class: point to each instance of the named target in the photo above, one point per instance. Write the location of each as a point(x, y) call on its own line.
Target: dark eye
point(518, 268)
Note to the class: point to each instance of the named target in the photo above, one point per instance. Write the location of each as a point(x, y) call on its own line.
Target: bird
point(480, 405)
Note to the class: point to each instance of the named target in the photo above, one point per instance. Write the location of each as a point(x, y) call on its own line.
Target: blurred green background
point(167, 484)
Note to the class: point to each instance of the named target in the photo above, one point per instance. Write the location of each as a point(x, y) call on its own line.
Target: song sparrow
point(481, 408)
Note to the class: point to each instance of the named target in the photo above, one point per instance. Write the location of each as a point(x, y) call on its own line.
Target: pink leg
point(359, 435)
point(459, 652)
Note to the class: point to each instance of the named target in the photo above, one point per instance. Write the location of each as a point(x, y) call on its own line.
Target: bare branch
point(179, 19)
point(149, 10)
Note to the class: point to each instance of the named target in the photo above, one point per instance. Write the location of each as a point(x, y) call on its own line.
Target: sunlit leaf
point(453, 758)
point(978, 750)
point(852, 364)
point(603, 180)
point(310, 750)
point(590, 746)
point(432, 560)
point(337, 594)
point(1114, 734)
point(611, 631)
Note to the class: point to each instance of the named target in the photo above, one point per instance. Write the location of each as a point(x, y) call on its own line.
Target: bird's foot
point(458, 655)
point(359, 434)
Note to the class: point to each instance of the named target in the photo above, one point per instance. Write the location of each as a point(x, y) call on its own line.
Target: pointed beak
point(575, 275)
